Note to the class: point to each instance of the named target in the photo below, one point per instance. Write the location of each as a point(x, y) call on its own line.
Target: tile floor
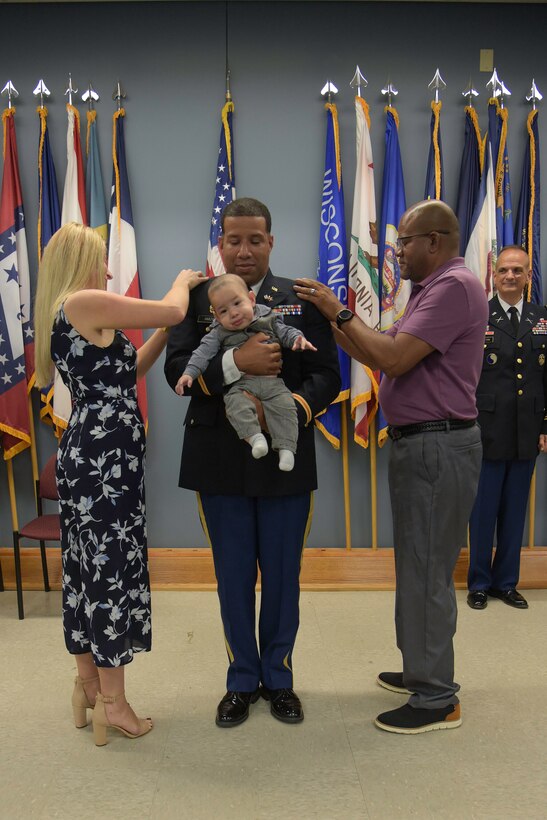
point(336, 765)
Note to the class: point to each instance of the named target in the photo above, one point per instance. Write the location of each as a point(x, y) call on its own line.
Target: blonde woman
point(100, 465)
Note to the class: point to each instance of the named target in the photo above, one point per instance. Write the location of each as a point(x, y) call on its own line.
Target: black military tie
point(514, 316)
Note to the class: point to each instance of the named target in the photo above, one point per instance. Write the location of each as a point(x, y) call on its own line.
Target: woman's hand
point(319, 295)
point(189, 278)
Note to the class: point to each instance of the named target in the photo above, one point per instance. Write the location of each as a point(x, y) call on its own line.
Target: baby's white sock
point(286, 460)
point(259, 445)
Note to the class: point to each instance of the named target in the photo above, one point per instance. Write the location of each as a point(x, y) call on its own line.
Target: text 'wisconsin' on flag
point(224, 190)
point(333, 261)
point(16, 335)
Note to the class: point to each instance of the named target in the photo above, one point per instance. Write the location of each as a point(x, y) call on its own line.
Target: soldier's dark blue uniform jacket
point(214, 460)
point(512, 390)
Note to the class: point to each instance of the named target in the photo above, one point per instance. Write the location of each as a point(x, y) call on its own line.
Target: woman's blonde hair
point(72, 260)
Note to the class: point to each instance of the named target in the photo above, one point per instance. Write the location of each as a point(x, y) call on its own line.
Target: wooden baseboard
point(322, 569)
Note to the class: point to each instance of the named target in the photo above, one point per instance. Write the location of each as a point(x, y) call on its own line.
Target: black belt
point(445, 425)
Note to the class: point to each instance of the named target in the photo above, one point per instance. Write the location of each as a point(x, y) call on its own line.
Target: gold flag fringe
point(332, 108)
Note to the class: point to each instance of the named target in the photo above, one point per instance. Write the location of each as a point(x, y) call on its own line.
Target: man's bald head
point(429, 235)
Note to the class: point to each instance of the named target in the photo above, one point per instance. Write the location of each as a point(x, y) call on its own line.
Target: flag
point(96, 203)
point(333, 261)
point(225, 190)
point(49, 221)
point(481, 251)
point(73, 210)
point(470, 176)
point(497, 135)
point(434, 178)
point(16, 334)
point(395, 291)
point(122, 248)
point(527, 229)
point(363, 295)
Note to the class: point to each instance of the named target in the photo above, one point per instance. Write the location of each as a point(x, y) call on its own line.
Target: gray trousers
point(279, 410)
point(433, 479)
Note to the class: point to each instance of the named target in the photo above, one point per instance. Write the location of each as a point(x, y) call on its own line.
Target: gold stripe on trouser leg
point(308, 528)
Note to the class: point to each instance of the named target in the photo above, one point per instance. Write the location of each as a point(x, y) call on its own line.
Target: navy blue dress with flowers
point(100, 476)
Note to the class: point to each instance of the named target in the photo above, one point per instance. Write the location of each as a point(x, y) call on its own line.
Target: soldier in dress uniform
point(512, 401)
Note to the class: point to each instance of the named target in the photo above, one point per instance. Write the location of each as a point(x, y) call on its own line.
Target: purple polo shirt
point(449, 311)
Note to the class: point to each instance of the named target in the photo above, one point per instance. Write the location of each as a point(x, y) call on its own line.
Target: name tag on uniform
point(488, 337)
point(289, 310)
point(205, 319)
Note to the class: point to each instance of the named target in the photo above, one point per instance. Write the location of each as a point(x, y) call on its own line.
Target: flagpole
point(345, 470)
point(373, 485)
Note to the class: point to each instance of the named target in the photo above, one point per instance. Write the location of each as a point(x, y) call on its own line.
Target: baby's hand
point(302, 344)
point(184, 381)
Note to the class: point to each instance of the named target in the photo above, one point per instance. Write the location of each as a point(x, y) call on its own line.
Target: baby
point(237, 317)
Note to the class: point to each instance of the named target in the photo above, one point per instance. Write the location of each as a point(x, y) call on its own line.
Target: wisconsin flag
point(481, 251)
point(395, 291)
point(16, 334)
point(333, 261)
point(96, 203)
point(434, 178)
point(224, 190)
point(527, 229)
point(470, 176)
point(122, 248)
point(49, 221)
point(73, 210)
point(363, 297)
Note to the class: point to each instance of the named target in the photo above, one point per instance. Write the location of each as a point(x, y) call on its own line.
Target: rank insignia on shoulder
point(288, 310)
point(274, 288)
point(268, 298)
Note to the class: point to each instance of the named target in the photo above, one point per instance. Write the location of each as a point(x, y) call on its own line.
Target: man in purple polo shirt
point(431, 359)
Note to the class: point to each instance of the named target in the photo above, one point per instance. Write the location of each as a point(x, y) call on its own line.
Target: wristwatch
point(343, 316)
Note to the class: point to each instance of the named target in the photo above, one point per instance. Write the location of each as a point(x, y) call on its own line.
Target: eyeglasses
point(403, 240)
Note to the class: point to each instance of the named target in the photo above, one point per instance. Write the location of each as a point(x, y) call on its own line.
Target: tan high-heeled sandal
point(80, 701)
point(101, 722)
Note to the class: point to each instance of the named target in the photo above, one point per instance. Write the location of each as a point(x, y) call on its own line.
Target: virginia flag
point(434, 178)
point(527, 229)
point(96, 203)
point(470, 176)
point(497, 135)
point(16, 334)
point(73, 210)
point(224, 190)
point(395, 291)
point(122, 248)
point(49, 221)
point(481, 251)
point(363, 296)
point(333, 261)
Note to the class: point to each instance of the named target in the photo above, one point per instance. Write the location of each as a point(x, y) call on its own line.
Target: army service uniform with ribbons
point(512, 402)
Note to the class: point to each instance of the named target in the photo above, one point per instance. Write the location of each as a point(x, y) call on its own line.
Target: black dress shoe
point(233, 709)
point(477, 599)
point(510, 597)
point(284, 704)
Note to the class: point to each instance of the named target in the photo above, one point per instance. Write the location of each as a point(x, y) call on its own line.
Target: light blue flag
point(395, 291)
point(333, 261)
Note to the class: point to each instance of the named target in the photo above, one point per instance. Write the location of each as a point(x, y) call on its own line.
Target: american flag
point(16, 334)
point(224, 190)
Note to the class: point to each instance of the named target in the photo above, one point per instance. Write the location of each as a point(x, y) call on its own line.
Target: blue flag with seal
point(470, 176)
point(49, 221)
point(527, 229)
point(333, 261)
point(395, 291)
point(434, 178)
point(497, 136)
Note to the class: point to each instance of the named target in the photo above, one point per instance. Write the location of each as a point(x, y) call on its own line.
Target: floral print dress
point(100, 477)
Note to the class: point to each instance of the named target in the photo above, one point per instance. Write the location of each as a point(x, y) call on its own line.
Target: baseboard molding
point(322, 569)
